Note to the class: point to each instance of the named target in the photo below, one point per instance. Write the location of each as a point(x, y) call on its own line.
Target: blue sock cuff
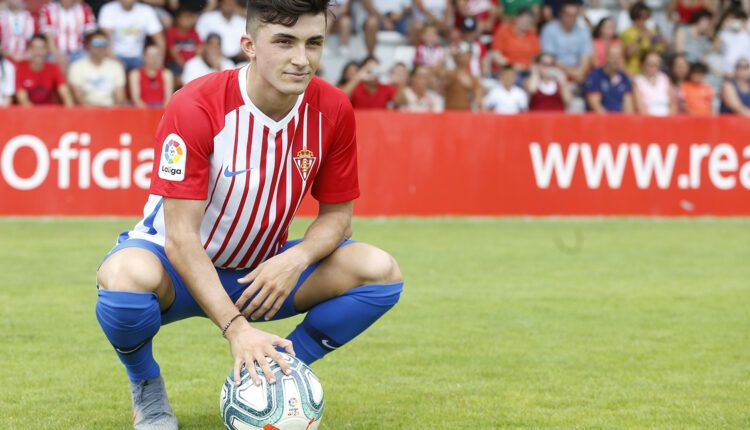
point(128, 319)
point(380, 294)
point(127, 299)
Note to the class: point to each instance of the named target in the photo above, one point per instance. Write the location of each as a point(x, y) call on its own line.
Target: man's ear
point(248, 45)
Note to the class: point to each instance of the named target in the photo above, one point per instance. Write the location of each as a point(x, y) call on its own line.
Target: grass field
point(510, 323)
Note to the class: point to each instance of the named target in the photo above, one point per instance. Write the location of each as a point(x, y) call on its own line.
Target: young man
point(236, 152)
point(39, 82)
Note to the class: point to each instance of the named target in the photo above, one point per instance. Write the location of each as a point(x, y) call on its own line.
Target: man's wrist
point(237, 325)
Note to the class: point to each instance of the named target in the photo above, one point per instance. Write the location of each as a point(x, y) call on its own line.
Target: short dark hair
point(637, 9)
point(38, 36)
point(699, 15)
point(283, 12)
point(698, 67)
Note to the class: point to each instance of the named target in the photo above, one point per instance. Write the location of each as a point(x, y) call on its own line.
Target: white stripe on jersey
point(16, 28)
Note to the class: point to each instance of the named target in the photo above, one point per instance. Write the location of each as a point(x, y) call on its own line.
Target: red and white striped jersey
point(69, 26)
point(16, 28)
point(214, 144)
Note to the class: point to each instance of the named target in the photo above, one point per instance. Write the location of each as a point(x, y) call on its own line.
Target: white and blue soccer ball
point(294, 402)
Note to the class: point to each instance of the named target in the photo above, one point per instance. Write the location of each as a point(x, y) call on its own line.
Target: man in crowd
point(96, 79)
point(66, 24)
point(16, 28)
point(608, 88)
point(569, 42)
point(127, 23)
point(39, 82)
point(210, 60)
point(228, 24)
point(366, 91)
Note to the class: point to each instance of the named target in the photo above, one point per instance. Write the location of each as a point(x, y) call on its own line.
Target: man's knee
point(378, 267)
point(133, 270)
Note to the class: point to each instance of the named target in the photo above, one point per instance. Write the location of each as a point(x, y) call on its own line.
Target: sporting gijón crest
point(304, 160)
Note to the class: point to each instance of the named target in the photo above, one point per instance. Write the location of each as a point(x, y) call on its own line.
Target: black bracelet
point(226, 326)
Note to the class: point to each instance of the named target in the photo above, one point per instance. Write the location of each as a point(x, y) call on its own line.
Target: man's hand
point(273, 280)
point(250, 345)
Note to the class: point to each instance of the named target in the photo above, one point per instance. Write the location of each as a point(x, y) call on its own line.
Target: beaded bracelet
point(226, 326)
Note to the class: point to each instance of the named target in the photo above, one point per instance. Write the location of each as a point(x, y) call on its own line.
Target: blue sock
point(130, 320)
point(331, 324)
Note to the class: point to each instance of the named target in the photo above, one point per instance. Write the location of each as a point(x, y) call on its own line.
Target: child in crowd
point(698, 94)
point(183, 41)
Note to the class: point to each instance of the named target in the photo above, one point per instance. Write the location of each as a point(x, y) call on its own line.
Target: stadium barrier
point(56, 161)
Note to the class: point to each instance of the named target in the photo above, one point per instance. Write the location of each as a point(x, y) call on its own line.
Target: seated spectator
point(388, 15)
point(7, 80)
point(569, 42)
point(438, 13)
point(653, 90)
point(127, 23)
point(227, 23)
point(152, 85)
point(463, 90)
point(210, 60)
point(348, 74)
point(39, 82)
point(604, 37)
point(517, 44)
point(735, 93)
point(183, 40)
point(366, 91)
point(507, 98)
point(679, 69)
point(547, 85)
point(418, 97)
point(694, 40)
point(66, 23)
point(470, 35)
point(699, 95)
point(96, 79)
point(734, 39)
point(486, 13)
point(398, 76)
point(608, 88)
point(342, 25)
point(639, 39)
point(16, 28)
point(429, 53)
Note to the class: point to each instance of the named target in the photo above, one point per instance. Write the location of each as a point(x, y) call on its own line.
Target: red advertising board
point(56, 161)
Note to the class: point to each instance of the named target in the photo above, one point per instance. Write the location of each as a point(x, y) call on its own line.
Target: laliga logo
point(172, 152)
point(73, 154)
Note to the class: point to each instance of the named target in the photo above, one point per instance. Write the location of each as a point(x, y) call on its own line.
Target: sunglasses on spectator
point(743, 66)
point(99, 43)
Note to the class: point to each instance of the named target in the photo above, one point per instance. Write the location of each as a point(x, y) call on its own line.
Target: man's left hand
point(273, 280)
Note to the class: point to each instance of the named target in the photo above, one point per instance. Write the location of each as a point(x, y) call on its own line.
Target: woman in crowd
point(604, 35)
point(735, 93)
point(547, 86)
point(417, 96)
point(694, 40)
point(679, 68)
point(653, 91)
point(151, 85)
point(348, 73)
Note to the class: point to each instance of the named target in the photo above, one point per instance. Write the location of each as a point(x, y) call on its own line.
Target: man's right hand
point(250, 345)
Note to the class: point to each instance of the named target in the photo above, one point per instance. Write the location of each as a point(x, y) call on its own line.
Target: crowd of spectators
point(653, 57)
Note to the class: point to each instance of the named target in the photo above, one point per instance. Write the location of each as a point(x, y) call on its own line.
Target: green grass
point(510, 323)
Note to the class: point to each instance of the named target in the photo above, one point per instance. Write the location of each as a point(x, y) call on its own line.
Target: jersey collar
point(258, 114)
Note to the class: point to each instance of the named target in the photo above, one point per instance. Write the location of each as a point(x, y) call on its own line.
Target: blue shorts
point(185, 306)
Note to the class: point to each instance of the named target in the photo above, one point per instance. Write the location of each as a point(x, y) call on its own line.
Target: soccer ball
point(294, 402)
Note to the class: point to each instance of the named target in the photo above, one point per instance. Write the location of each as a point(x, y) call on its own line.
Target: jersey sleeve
point(184, 143)
point(337, 180)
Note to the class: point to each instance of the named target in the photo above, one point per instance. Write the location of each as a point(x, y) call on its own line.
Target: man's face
point(614, 58)
point(524, 22)
point(186, 20)
point(212, 49)
point(127, 4)
point(568, 16)
point(37, 50)
point(508, 78)
point(288, 57)
point(228, 7)
point(98, 47)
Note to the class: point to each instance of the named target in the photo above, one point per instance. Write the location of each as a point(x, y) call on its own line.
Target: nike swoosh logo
point(328, 345)
point(229, 173)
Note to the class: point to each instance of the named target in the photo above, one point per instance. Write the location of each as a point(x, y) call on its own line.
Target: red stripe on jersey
point(237, 216)
point(231, 182)
point(281, 203)
point(261, 175)
point(256, 244)
point(211, 198)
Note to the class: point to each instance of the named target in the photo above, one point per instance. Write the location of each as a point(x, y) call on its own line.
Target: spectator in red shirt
point(151, 85)
point(182, 40)
point(366, 91)
point(39, 82)
point(517, 44)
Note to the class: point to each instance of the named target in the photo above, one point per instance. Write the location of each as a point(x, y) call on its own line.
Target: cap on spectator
point(468, 24)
